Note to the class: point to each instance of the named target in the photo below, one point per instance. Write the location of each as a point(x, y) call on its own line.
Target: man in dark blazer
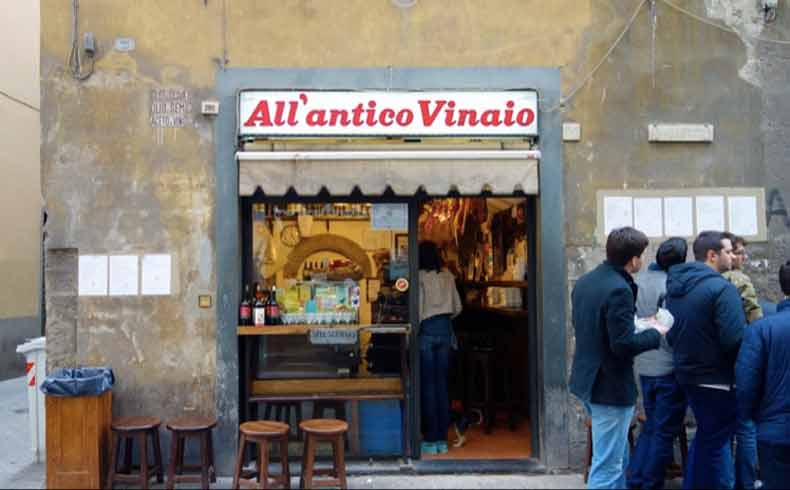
point(602, 376)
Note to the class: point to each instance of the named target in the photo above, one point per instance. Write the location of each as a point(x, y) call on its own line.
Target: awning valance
point(406, 172)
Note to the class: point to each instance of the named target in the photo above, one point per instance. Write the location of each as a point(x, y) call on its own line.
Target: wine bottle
point(245, 308)
point(259, 308)
point(272, 308)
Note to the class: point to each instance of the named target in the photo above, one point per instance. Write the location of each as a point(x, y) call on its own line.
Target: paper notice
point(92, 275)
point(648, 216)
point(678, 216)
point(710, 213)
point(156, 274)
point(743, 215)
point(617, 212)
point(389, 217)
point(124, 275)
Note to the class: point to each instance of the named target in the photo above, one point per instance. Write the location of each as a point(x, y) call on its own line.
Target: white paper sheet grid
point(649, 216)
point(617, 212)
point(743, 215)
point(92, 275)
point(710, 213)
point(678, 216)
point(124, 275)
point(156, 274)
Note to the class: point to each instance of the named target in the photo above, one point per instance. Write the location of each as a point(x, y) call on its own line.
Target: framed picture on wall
point(401, 245)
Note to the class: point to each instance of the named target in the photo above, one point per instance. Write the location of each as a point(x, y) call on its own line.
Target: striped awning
point(405, 172)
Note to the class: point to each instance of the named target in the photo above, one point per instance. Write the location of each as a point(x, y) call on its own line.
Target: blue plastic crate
point(380, 428)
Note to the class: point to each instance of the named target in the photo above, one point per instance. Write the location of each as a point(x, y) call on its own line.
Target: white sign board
point(92, 275)
point(295, 113)
point(333, 336)
point(156, 274)
point(680, 133)
point(124, 275)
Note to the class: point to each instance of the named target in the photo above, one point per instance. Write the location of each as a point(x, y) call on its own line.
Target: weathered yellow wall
point(113, 184)
point(20, 189)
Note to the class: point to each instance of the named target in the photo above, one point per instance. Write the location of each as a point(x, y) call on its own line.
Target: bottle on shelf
point(272, 308)
point(245, 308)
point(259, 308)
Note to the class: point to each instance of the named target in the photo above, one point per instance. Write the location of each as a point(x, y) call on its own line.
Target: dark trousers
point(710, 456)
point(774, 465)
point(665, 407)
point(435, 337)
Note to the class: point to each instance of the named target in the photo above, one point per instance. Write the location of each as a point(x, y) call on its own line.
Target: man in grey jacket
point(663, 400)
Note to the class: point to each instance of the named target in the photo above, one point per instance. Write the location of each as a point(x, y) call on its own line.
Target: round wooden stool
point(330, 430)
point(182, 429)
point(129, 429)
point(262, 433)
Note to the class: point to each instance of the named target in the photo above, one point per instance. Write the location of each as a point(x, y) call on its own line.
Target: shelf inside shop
point(402, 328)
point(499, 310)
point(498, 284)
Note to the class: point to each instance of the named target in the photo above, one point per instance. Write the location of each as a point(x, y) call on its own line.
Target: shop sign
point(333, 336)
point(264, 113)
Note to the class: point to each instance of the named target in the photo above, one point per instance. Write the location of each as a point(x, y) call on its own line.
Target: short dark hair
point(735, 239)
point(784, 278)
point(623, 244)
point(430, 260)
point(707, 240)
point(671, 252)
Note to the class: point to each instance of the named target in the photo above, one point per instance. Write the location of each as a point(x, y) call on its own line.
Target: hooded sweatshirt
point(438, 294)
point(709, 324)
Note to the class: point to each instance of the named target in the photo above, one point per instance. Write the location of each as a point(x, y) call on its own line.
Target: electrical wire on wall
point(75, 59)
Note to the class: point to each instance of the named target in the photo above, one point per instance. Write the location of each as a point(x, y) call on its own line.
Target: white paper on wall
point(743, 215)
point(124, 275)
point(92, 275)
point(678, 216)
point(156, 274)
point(617, 212)
point(710, 213)
point(648, 216)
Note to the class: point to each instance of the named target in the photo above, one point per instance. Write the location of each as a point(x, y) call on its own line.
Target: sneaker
point(441, 447)
point(429, 448)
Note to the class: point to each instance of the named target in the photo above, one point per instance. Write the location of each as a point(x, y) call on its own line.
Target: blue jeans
point(610, 445)
point(743, 475)
point(710, 453)
point(435, 338)
point(774, 465)
point(665, 407)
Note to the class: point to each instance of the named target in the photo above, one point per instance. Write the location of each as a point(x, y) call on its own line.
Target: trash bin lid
point(39, 343)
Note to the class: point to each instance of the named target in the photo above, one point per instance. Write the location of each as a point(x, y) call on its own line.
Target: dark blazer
point(709, 323)
point(762, 376)
point(603, 320)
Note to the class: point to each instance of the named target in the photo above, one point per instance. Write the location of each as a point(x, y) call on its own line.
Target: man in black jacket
point(606, 344)
point(709, 325)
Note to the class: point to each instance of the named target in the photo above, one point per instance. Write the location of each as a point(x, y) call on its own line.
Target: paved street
point(18, 471)
point(16, 458)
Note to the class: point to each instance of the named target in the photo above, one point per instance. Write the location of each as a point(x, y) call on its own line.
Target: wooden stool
point(282, 413)
point(182, 429)
point(262, 433)
point(131, 429)
point(330, 430)
point(481, 365)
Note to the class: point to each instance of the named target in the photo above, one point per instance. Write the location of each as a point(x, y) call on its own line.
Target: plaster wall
point(20, 189)
point(115, 184)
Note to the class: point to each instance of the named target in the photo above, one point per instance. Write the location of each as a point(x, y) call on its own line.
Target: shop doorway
point(487, 244)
